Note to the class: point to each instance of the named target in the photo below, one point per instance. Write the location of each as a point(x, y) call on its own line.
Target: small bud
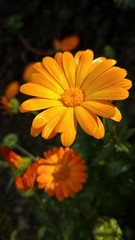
point(10, 140)
point(107, 229)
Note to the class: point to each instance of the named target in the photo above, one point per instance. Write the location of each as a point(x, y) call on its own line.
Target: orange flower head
point(7, 101)
point(13, 159)
point(74, 89)
point(67, 44)
point(61, 173)
point(28, 71)
point(27, 181)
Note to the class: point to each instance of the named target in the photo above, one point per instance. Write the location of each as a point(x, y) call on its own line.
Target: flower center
point(61, 172)
point(72, 97)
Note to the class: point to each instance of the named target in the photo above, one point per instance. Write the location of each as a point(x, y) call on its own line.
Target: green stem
point(47, 217)
point(24, 151)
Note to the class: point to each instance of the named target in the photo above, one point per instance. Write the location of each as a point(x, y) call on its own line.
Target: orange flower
point(28, 72)
point(27, 181)
point(74, 89)
point(11, 91)
point(67, 44)
point(13, 159)
point(61, 173)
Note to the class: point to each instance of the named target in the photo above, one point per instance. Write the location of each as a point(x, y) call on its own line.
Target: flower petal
point(89, 122)
point(44, 117)
point(47, 81)
point(86, 119)
point(117, 117)
point(53, 68)
point(110, 93)
point(50, 126)
point(69, 68)
point(36, 90)
point(101, 108)
point(68, 136)
point(126, 84)
point(84, 66)
point(35, 104)
point(65, 120)
point(99, 69)
point(109, 78)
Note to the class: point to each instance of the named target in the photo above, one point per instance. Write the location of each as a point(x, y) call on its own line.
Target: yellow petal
point(109, 78)
point(69, 68)
point(68, 136)
point(35, 104)
point(86, 119)
point(99, 69)
point(65, 120)
point(101, 108)
point(100, 132)
point(44, 117)
point(36, 90)
point(47, 81)
point(53, 68)
point(58, 58)
point(35, 131)
point(126, 84)
point(110, 93)
point(117, 117)
point(50, 126)
point(84, 66)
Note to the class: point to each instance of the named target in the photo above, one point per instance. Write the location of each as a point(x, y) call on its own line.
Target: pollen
point(72, 97)
point(61, 172)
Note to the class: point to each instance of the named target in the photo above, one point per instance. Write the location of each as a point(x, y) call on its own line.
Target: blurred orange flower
point(61, 173)
point(74, 89)
point(67, 44)
point(13, 159)
point(11, 91)
point(27, 181)
point(28, 72)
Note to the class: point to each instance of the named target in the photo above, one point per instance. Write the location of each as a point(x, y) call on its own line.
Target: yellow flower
point(61, 173)
point(74, 89)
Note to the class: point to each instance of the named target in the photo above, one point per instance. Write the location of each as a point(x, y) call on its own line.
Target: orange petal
point(12, 90)
point(35, 131)
point(69, 43)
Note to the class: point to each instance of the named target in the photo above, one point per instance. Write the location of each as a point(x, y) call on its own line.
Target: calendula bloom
point(74, 89)
point(28, 72)
point(61, 173)
point(27, 181)
point(66, 44)
point(13, 159)
point(8, 103)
